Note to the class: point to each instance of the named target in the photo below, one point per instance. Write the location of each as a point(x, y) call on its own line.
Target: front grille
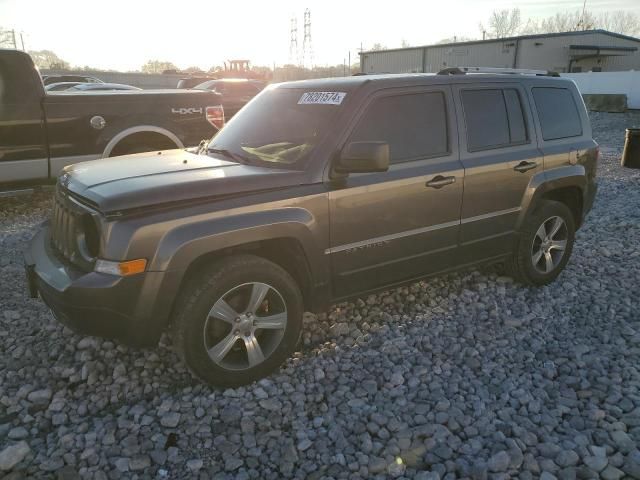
point(63, 228)
point(67, 230)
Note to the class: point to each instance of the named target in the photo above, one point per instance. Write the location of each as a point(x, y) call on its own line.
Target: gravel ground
point(468, 375)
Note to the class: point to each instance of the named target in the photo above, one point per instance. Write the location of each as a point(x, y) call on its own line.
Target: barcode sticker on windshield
point(322, 98)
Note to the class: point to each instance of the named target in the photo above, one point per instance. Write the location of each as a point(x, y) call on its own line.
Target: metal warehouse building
point(590, 50)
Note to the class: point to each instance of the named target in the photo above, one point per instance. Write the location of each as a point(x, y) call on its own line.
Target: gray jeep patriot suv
point(315, 192)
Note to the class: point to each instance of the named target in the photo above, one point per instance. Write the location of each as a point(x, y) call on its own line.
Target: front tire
point(544, 244)
point(237, 320)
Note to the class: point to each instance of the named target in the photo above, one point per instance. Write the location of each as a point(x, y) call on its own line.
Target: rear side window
point(17, 81)
point(558, 113)
point(414, 125)
point(494, 118)
point(243, 89)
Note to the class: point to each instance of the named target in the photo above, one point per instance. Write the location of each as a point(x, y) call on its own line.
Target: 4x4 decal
point(186, 110)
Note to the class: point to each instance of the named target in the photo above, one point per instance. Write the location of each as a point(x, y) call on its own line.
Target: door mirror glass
point(364, 157)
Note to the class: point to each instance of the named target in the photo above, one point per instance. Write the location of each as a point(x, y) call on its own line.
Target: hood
point(135, 181)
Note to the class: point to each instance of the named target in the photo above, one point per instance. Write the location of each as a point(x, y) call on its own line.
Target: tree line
point(510, 23)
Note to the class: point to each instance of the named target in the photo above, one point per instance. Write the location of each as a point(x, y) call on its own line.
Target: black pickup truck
point(40, 133)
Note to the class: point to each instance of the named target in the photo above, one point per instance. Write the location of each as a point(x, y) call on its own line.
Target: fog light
point(121, 269)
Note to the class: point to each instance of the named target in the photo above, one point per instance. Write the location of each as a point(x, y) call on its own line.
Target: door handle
point(440, 181)
point(525, 166)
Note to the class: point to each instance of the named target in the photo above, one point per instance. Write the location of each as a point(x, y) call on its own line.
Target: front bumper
point(134, 310)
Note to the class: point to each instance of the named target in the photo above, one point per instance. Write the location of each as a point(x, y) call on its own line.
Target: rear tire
point(237, 320)
point(544, 244)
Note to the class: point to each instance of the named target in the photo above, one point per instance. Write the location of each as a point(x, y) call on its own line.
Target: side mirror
point(364, 157)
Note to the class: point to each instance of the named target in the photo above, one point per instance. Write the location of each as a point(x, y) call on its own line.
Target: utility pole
point(349, 66)
point(307, 48)
point(293, 43)
point(22, 41)
point(15, 45)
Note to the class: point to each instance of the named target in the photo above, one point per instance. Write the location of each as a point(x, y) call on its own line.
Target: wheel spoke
point(220, 349)
point(557, 225)
point(272, 322)
point(542, 232)
point(548, 262)
point(558, 245)
point(254, 351)
point(223, 311)
point(258, 292)
point(536, 257)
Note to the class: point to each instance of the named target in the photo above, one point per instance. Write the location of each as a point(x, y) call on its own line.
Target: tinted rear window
point(494, 118)
point(414, 126)
point(17, 80)
point(558, 113)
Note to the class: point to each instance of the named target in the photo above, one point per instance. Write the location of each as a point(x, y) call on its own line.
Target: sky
point(124, 34)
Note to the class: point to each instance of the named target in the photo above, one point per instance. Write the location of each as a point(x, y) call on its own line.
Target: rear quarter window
point(557, 112)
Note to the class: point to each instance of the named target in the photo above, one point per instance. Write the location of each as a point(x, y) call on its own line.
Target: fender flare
point(547, 181)
point(179, 247)
point(140, 129)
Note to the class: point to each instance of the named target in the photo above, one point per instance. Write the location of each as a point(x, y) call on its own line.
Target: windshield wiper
point(230, 155)
point(202, 146)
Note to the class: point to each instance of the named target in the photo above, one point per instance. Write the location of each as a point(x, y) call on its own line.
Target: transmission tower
point(293, 43)
point(307, 48)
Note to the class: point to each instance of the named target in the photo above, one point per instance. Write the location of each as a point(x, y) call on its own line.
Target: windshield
point(276, 129)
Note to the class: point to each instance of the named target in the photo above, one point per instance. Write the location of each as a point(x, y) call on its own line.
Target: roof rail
point(511, 71)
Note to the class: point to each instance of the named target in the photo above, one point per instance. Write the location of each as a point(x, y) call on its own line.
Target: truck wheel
point(238, 320)
point(544, 244)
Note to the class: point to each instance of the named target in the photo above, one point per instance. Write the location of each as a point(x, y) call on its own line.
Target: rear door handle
point(440, 181)
point(525, 166)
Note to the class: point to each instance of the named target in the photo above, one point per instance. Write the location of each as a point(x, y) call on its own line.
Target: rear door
point(500, 155)
point(401, 224)
point(23, 147)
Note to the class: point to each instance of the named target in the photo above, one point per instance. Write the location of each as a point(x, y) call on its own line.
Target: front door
point(401, 224)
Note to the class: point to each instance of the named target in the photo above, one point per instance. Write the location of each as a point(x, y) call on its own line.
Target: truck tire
point(237, 320)
point(544, 244)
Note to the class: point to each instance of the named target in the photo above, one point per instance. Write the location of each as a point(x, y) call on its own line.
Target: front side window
point(414, 125)
point(558, 113)
point(494, 118)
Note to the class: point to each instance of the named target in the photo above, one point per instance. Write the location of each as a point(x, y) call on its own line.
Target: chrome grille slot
point(63, 228)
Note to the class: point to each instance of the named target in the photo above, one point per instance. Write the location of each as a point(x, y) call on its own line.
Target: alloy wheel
point(245, 326)
point(549, 244)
